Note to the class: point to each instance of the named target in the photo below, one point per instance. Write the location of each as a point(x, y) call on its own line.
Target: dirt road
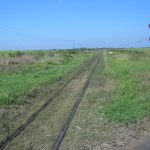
point(42, 133)
point(89, 128)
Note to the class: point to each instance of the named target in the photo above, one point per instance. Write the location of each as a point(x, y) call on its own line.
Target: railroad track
point(64, 129)
point(21, 128)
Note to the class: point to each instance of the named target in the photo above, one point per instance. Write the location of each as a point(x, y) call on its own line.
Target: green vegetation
point(116, 96)
point(131, 68)
point(23, 71)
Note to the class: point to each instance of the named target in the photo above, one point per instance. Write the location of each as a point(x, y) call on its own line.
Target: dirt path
point(83, 127)
point(90, 130)
point(139, 138)
point(15, 116)
point(42, 133)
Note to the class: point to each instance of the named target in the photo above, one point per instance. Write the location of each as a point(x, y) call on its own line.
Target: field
point(29, 78)
point(131, 69)
point(115, 111)
point(113, 85)
point(21, 72)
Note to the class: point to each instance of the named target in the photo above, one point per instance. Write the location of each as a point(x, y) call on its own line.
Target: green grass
point(16, 80)
point(131, 101)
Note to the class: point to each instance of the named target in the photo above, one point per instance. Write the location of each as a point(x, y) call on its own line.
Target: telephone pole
point(73, 43)
point(149, 28)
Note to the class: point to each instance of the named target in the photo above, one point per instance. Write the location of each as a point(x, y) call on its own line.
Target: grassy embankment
point(23, 71)
point(117, 95)
point(131, 101)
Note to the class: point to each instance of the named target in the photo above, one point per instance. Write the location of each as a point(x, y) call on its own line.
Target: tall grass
point(132, 99)
point(17, 81)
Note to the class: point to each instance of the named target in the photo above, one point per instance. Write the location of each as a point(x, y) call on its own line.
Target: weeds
point(131, 102)
point(18, 79)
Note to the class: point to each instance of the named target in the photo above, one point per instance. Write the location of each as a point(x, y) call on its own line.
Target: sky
point(58, 24)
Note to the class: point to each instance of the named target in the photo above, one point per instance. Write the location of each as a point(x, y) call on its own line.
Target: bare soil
point(11, 117)
point(90, 130)
point(42, 133)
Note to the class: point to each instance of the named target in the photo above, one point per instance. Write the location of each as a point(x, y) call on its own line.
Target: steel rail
point(20, 129)
point(64, 129)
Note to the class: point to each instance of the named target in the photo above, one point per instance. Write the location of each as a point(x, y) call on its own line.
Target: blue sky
point(48, 24)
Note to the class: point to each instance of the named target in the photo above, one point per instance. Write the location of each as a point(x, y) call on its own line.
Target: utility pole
point(73, 44)
point(149, 28)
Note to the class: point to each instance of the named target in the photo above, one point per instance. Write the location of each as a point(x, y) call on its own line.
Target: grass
point(25, 71)
point(89, 126)
point(132, 71)
point(116, 96)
